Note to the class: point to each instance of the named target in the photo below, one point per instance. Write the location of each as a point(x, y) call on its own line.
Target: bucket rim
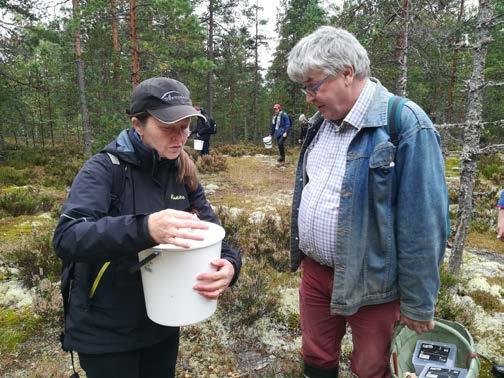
point(213, 235)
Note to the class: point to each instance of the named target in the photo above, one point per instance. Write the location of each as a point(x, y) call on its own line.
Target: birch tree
point(401, 50)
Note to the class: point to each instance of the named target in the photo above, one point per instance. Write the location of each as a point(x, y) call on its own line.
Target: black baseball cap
point(166, 99)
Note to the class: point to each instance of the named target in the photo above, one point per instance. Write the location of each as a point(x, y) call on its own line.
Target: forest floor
point(270, 346)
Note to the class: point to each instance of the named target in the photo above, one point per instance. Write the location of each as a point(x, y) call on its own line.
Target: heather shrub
point(491, 167)
point(47, 300)
point(16, 177)
point(446, 307)
point(35, 258)
point(252, 298)
point(61, 172)
point(212, 163)
point(26, 200)
point(237, 150)
point(266, 239)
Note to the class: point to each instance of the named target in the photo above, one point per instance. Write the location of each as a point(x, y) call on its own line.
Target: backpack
point(119, 173)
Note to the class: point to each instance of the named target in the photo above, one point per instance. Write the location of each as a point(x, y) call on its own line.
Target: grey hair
point(327, 50)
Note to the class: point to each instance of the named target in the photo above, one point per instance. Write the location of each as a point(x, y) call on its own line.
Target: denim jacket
point(392, 216)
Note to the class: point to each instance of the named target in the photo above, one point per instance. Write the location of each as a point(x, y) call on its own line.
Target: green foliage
point(301, 17)
point(35, 258)
point(491, 167)
point(486, 300)
point(446, 308)
point(12, 176)
point(212, 163)
point(23, 157)
point(265, 238)
point(16, 326)
point(252, 299)
point(61, 173)
point(26, 200)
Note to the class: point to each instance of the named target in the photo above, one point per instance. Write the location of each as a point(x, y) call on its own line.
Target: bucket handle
point(445, 327)
point(138, 265)
point(450, 330)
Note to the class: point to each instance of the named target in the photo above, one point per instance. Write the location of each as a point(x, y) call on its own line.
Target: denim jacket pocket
point(382, 156)
point(381, 168)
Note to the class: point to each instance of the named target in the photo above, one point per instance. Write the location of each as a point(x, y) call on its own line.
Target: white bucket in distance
point(268, 143)
point(169, 278)
point(198, 144)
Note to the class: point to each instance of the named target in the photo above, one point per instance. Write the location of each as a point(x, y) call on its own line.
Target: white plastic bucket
point(268, 143)
point(198, 144)
point(168, 279)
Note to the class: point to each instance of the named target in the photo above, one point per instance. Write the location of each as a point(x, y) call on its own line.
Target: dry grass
point(485, 240)
point(250, 183)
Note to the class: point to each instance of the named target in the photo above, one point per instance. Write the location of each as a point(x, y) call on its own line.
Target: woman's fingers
point(167, 225)
point(212, 284)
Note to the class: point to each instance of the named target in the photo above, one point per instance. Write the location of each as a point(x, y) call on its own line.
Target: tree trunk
point(453, 80)
point(210, 57)
point(401, 51)
point(115, 44)
point(256, 71)
point(135, 62)
point(50, 112)
point(472, 133)
point(86, 127)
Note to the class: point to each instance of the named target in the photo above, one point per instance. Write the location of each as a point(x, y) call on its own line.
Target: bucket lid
point(267, 139)
point(213, 235)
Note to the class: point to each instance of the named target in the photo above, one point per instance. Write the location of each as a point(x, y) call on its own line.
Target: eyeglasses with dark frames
point(313, 89)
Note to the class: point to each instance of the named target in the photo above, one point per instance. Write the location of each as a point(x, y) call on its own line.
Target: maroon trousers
point(372, 327)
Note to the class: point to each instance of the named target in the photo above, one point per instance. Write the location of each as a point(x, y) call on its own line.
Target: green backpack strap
point(395, 105)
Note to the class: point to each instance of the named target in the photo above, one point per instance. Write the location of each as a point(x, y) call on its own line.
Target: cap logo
point(173, 96)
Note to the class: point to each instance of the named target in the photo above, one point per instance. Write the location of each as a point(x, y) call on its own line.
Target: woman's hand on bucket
point(173, 226)
point(212, 284)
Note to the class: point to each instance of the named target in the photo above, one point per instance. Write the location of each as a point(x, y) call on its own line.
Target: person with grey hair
point(369, 211)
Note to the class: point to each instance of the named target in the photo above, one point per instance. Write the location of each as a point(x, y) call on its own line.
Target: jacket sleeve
point(85, 232)
point(422, 211)
point(199, 203)
point(500, 203)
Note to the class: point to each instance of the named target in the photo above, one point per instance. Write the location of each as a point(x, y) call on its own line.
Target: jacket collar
point(376, 115)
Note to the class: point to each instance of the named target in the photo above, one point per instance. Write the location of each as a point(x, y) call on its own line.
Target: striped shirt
point(325, 168)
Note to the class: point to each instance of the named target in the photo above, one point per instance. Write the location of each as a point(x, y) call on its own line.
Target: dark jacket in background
point(204, 129)
point(93, 229)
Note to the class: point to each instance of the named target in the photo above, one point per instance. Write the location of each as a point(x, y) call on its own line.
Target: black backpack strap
point(118, 178)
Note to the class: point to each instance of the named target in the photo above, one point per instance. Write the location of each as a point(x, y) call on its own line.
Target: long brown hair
point(187, 172)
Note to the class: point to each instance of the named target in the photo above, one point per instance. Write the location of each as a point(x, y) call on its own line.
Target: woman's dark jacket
point(94, 228)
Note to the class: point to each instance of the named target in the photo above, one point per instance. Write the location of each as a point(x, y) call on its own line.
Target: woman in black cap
point(139, 191)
